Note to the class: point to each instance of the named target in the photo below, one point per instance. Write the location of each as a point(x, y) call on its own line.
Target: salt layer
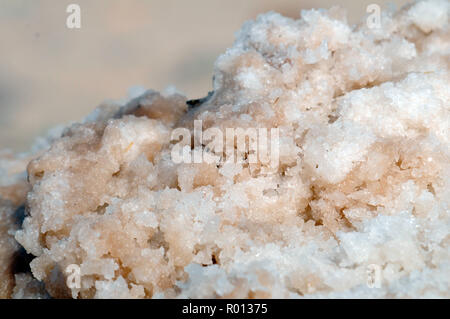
point(363, 181)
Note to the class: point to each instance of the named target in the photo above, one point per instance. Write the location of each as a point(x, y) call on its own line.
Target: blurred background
point(52, 75)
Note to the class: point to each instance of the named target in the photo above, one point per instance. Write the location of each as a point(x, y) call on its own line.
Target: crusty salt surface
point(363, 182)
point(8, 247)
point(13, 189)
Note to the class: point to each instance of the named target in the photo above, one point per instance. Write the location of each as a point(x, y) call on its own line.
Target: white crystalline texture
point(363, 180)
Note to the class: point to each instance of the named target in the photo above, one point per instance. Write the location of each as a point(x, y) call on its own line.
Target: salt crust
point(364, 174)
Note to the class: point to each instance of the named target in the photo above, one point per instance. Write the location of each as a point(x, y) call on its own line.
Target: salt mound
point(362, 181)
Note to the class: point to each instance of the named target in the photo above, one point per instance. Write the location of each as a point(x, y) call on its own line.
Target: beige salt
point(362, 182)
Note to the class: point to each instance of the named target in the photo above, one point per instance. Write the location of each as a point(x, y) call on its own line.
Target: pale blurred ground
point(52, 75)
